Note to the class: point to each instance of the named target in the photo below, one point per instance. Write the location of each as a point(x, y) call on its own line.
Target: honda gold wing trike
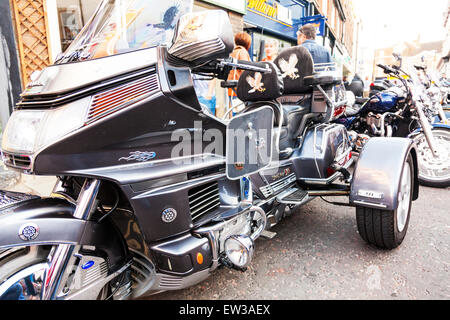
point(153, 192)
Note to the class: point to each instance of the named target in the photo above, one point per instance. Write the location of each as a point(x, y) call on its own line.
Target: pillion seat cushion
point(256, 86)
point(295, 64)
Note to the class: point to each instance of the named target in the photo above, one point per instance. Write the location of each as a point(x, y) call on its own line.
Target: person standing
point(243, 42)
point(271, 50)
point(306, 37)
point(357, 86)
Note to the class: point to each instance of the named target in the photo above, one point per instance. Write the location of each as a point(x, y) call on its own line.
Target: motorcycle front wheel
point(434, 171)
point(22, 271)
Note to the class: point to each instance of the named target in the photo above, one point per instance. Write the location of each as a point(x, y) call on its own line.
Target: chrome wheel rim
point(404, 197)
point(430, 167)
point(19, 285)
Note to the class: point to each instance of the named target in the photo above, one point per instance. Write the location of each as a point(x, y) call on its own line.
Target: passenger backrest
point(295, 63)
point(256, 86)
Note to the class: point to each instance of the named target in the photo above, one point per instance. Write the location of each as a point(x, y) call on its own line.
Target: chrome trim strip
point(328, 180)
point(376, 205)
point(276, 186)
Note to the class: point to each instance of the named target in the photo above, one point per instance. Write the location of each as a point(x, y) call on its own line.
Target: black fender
point(376, 179)
point(55, 224)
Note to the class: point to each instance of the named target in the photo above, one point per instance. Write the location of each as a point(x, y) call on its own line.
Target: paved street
point(318, 254)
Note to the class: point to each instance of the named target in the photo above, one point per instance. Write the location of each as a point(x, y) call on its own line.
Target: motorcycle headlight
point(28, 131)
point(239, 250)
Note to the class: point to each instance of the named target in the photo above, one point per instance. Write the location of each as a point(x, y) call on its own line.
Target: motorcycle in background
point(408, 110)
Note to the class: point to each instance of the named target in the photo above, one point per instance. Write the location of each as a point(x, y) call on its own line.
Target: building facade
point(444, 63)
point(414, 53)
point(339, 33)
point(270, 19)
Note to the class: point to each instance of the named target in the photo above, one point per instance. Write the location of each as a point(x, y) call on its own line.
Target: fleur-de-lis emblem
point(256, 83)
point(289, 68)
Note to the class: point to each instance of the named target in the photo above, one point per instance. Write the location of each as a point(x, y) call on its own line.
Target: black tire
point(428, 181)
point(380, 227)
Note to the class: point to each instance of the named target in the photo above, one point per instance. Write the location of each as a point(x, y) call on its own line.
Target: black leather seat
point(295, 64)
point(285, 87)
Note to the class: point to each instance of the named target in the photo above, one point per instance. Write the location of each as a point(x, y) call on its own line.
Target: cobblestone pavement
point(318, 254)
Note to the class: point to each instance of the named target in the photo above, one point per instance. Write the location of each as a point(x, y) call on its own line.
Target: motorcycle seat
point(322, 79)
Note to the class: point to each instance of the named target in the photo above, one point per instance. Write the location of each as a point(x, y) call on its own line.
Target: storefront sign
point(276, 16)
point(233, 5)
point(318, 21)
point(262, 7)
point(275, 10)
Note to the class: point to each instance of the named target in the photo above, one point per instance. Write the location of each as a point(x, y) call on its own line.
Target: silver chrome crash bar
point(209, 232)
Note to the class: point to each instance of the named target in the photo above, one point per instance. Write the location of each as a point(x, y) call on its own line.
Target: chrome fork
point(427, 129)
point(59, 259)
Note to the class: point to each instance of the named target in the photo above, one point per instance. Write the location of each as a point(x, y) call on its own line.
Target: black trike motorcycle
point(153, 192)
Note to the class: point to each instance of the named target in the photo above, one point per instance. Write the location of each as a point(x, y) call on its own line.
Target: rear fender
point(53, 223)
point(376, 180)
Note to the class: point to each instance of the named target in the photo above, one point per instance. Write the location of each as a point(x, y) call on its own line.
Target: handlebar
point(222, 67)
point(244, 65)
point(420, 67)
point(386, 69)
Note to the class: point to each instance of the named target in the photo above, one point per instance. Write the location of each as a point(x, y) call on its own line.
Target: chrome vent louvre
point(97, 272)
point(22, 162)
point(113, 100)
point(277, 186)
point(193, 51)
point(170, 282)
point(203, 199)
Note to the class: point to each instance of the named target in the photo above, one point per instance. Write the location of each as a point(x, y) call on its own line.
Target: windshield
point(119, 26)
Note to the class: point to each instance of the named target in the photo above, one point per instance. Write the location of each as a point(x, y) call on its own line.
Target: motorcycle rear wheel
point(24, 261)
point(434, 172)
point(387, 229)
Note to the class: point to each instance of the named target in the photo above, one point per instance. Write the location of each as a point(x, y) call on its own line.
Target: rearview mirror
point(202, 37)
point(398, 59)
